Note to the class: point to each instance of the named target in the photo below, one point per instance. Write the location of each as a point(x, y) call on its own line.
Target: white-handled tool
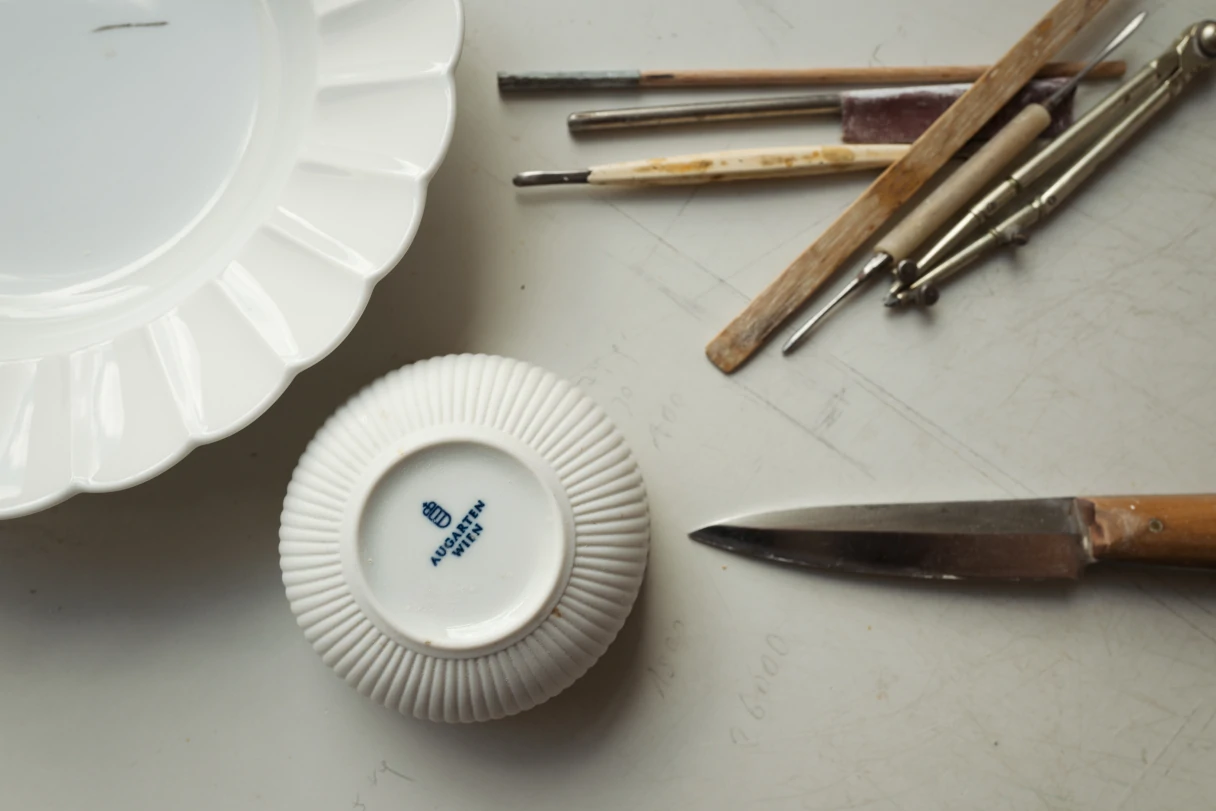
point(732, 164)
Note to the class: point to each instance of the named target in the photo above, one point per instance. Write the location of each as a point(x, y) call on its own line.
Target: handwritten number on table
point(755, 701)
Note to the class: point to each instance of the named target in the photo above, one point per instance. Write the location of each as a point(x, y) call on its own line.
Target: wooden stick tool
point(781, 299)
point(530, 81)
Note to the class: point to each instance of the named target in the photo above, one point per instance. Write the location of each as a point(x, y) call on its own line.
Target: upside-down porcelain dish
point(464, 538)
point(195, 202)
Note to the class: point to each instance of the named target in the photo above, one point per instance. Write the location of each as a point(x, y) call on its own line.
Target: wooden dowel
point(881, 75)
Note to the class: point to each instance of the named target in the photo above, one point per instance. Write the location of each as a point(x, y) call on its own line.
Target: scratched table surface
point(148, 658)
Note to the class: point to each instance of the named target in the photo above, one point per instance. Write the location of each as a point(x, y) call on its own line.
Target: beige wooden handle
point(1167, 530)
point(877, 75)
point(968, 181)
point(748, 164)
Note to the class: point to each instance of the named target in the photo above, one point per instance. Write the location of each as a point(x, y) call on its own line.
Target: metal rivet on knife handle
point(808, 273)
point(1163, 530)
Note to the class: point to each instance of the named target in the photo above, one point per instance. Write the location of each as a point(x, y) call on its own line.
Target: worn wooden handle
point(966, 182)
point(879, 74)
point(858, 223)
point(1167, 530)
point(748, 164)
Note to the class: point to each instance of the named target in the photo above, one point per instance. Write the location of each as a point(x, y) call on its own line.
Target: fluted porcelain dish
point(464, 538)
point(196, 199)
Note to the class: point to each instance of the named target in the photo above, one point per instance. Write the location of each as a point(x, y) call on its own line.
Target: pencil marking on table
point(806, 429)
point(1190, 600)
point(960, 450)
point(116, 26)
point(768, 6)
point(686, 304)
point(683, 206)
point(1164, 604)
point(874, 60)
point(745, 5)
point(1150, 764)
point(663, 671)
point(385, 768)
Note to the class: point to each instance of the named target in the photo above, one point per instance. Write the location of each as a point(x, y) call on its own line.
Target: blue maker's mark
point(461, 538)
point(437, 515)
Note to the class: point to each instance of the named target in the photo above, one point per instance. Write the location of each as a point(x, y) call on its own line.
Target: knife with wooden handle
point(1037, 539)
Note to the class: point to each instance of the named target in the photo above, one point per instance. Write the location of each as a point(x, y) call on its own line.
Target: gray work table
point(148, 658)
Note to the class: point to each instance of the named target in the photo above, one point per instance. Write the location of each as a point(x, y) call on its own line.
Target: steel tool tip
point(1118, 40)
point(546, 178)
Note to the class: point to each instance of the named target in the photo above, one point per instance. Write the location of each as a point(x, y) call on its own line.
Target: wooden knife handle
point(1167, 530)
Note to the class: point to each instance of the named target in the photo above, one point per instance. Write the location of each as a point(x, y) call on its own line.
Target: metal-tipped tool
point(1114, 120)
point(879, 262)
point(967, 181)
point(732, 164)
point(997, 198)
point(552, 178)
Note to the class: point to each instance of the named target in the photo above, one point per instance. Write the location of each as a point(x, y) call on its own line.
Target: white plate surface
point(195, 202)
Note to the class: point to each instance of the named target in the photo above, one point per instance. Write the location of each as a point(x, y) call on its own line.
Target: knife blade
point(1035, 539)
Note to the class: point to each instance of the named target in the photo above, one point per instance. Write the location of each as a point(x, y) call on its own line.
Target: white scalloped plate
point(195, 202)
point(464, 538)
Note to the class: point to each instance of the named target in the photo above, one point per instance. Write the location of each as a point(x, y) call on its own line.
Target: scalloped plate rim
point(291, 368)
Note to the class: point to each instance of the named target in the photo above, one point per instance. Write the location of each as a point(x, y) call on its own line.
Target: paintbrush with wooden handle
point(530, 81)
